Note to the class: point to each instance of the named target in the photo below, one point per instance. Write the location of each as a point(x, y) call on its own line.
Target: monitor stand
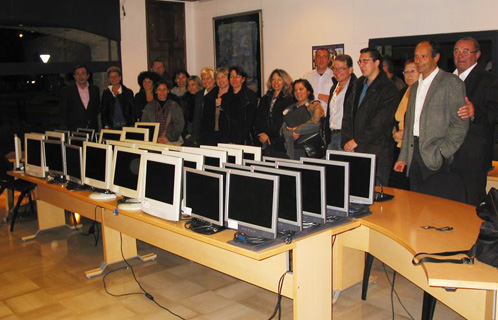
point(56, 179)
point(203, 227)
point(73, 186)
point(129, 204)
point(102, 195)
point(358, 210)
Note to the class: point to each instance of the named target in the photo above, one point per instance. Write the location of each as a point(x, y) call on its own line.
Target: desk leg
point(49, 217)
point(312, 268)
point(113, 242)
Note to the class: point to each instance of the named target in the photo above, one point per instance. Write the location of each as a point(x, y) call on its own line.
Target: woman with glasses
point(269, 115)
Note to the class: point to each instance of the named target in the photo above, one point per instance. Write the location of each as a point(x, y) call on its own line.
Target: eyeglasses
point(409, 71)
point(340, 69)
point(464, 52)
point(363, 61)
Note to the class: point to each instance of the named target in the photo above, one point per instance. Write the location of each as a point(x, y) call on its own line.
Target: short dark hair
point(387, 61)
point(238, 70)
point(160, 82)
point(79, 66)
point(154, 77)
point(374, 53)
point(114, 69)
point(435, 47)
point(408, 61)
point(345, 58)
point(307, 85)
point(181, 71)
point(477, 47)
point(158, 60)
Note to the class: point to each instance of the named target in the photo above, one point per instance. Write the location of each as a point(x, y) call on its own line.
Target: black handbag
point(486, 247)
point(314, 144)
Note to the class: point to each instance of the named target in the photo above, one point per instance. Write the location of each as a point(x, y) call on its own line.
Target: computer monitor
point(161, 193)
point(108, 134)
point(336, 185)
point(134, 134)
point(153, 129)
point(77, 141)
point(228, 165)
point(258, 163)
point(84, 135)
point(233, 155)
point(361, 174)
point(97, 163)
point(190, 160)
point(114, 143)
point(66, 133)
point(312, 190)
point(55, 136)
point(203, 195)
point(250, 152)
point(274, 159)
point(18, 152)
point(35, 157)
point(54, 159)
point(290, 211)
point(154, 148)
point(126, 178)
point(90, 132)
point(74, 163)
point(211, 157)
point(251, 203)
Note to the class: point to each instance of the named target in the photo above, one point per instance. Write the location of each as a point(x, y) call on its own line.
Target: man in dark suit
point(474, 157)
point(80, 102)
point(433, 129)
point(369, 114)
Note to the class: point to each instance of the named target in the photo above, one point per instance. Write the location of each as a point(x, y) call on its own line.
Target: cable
point(144, 292)
point(394, 291)
point(278, 306)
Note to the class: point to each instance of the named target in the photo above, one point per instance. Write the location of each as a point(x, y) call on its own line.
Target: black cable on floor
point(394, 291)
point(278, 306)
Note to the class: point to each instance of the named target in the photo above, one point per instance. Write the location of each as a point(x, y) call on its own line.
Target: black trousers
point(418, 170)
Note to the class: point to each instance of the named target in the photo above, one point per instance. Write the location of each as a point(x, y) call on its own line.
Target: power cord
point(278, 306)
point(243, 238)
point(394, 291)
point(144, 292)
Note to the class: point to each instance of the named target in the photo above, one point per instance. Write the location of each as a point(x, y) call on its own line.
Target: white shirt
point(337, 107)
point(321, 84)
point(120, 90)
point(464, 74)
point(423, 88)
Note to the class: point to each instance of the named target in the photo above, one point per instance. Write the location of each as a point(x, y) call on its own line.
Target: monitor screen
point(160, 179)
point(212, 161)
point(95, 163)
point(151, 128)
point(126, 172)
point(361, 174)
point(34, 152)
point(73, 163)
point(54, 156)
point(205, 203)
point(189, 164)
point(76, 141)
point(135, 136)
point(110, 136)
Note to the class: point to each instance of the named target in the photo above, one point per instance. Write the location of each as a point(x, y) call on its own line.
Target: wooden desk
point(309, 283)
point(393, 235)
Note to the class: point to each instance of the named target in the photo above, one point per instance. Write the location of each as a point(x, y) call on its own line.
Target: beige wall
point(291, 27)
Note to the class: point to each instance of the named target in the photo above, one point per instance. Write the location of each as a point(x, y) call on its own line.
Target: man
point(80, 102)
point(474, 157)
point(320, 78)
point(388, 67)
point(341, 89)
point(369, 114)
point(159, 67)
point(117, 102)
point(433, 129)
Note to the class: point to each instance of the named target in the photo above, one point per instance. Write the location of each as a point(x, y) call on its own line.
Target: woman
point(303, 93)
point(180, 79)
point(241, 108)
point(117, 109)
point(146, 80)
point(187, 102)
point(168, 113)
point(204, 109)
point(269, 115)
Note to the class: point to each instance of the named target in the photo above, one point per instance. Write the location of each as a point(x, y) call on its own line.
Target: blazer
point(441, 129)
point(108, 107)
point(476, 151)
point(73, 113)
point(370, 123)
point(241, 111)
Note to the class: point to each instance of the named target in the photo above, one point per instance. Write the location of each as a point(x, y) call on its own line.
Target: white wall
point(292, 27)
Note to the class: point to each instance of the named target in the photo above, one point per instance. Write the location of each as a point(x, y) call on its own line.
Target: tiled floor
point(43, 279)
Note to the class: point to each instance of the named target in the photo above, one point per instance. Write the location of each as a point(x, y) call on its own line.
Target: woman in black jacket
point(117, 102)
point(269, 115)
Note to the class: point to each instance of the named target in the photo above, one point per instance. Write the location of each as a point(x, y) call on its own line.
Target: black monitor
point(54, 157)
point(153, 129)
point(107, 134)
point(74, 163)
point(77, 141)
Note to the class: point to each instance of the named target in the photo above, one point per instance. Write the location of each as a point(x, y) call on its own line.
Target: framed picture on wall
point(334, 50)
point(238, 41)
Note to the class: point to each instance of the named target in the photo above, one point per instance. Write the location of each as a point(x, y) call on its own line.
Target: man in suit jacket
point(474, 157)
point(369, 114)
point(80, 102)
point(433, 129)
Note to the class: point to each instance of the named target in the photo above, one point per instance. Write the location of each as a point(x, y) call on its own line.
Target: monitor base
point(130, 205)
point(102, 196)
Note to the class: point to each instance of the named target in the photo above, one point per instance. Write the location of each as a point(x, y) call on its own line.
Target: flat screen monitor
point(97, 162)
point(134, 134)
point(236, 166)
point(336, 185)
point(126, 175)
point(273, 159)
point(250, 152)
point(74, 163)
point(214, 158)
point(161, 193)
point(203, 195)
point(66, 133)
point(35, 157)
point(54, 157)
point(290, 211)
point(18, 151)
point(312, 190)
point(190, 160)
point(258, 163)
point(90, 132)
point(55, 136)
point(361, 174)
point(233, 155)
point(153, 129)
point(252, 203)
point(77, 141)
point(80, 135)
point(108, 134)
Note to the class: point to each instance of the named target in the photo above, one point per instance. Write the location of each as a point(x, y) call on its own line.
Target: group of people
point(434, 123)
